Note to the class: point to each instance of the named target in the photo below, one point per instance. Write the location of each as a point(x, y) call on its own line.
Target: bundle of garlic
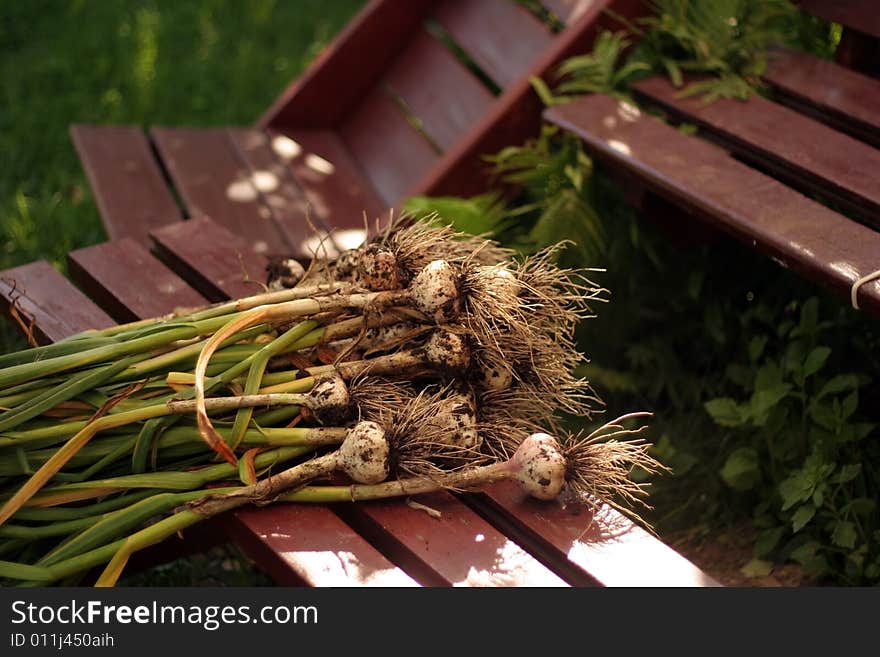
point(426, 359)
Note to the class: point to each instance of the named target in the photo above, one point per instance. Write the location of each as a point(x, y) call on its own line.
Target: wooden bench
point(751, 166)
point(407, 100)
point(387, 111)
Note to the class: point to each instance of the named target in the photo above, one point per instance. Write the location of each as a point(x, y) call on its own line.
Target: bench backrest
point(420, 91)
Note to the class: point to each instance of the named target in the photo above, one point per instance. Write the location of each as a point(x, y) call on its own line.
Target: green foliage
point(723, 43)
point(799, 444)
point(599, 71)
point(477, 215)
point(554, 172)
point(726, 39)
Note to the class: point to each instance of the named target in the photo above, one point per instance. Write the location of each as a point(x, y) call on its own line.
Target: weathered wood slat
point(128, 281)
point(213, 260)
point(391, 152)
point(336, 188)
point(502, 38)
point(458, 548)
point(129, 188)
point(603, 549)
point(836, 95)
point(48, 302)
point(213, 180)
point(794, 147)
point(453, 99)
point(821, 244)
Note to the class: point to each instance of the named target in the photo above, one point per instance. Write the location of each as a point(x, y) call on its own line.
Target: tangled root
point(599, 466)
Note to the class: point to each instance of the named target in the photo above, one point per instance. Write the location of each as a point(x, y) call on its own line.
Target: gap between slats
point(504, 39)
point(805, 154)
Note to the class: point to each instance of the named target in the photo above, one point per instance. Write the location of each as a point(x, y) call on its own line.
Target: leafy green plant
point(554, 177)
point(603, 70)
point(723, 43)
point(798, 446)
point(478, 215)
point(725, 39)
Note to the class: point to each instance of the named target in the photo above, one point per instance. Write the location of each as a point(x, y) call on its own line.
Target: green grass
point(144, 62)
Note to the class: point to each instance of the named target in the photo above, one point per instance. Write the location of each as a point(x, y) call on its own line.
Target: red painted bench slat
point(303, 544)
point(348, 67)
point(861, 15)
point(452, 99)
point(129, 187)
point(605, 548)
point(391, 152)
point(792, 146)
point(277, 188)
point(839, 96)
point(42, 295)
point(335, 186)
point(823, 245)
point(458, 548)
point(128, 281)
point(502, 37)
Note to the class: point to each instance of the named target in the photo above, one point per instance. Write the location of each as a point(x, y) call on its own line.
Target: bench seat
point(705, 179)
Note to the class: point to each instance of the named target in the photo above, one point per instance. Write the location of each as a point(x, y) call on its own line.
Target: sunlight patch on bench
point(513, 566)
point(343, 568)
point(265, 181)
point(342, 240)
point(628, 112)
point(285, 147)
point(620, 146)
point(797, 246)
point(319, 164)
point(845, 268)
point(241, 191)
